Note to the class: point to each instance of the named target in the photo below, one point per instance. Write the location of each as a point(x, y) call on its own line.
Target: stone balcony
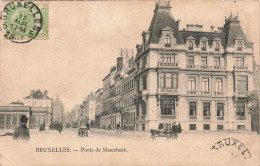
point(219, 93)
point(141, 117)
point(242, 93)
point(240, 67)
point(205, 92)
point(201, 67)
point(241, 118)
point(166, 117)
point(206, 117)
point(193, 117)
point(191, 92)
point(220, 117)
point(161, 90)
point(166, 64)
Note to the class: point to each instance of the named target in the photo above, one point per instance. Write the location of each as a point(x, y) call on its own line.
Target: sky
point(85, 38)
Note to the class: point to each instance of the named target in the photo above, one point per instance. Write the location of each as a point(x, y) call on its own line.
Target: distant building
point(16, 103)
point(57, 110)
point(10, 116)
point(89, 107)
point(40, 105)
point(98, 107)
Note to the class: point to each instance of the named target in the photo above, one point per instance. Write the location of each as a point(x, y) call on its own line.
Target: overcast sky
point(85, 39)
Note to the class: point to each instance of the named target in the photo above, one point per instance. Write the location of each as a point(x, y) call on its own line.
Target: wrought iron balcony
point(141, 117)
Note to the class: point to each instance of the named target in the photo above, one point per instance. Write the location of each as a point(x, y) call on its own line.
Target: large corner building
point(197, 78)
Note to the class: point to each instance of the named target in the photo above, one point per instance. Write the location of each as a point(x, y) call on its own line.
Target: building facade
point(196, 78)
point(40, 105)
point(89, 107)
point(10, 116)
point(98, 107)
point(57, 111)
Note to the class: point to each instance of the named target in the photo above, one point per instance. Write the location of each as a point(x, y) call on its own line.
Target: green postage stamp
point(23, 21)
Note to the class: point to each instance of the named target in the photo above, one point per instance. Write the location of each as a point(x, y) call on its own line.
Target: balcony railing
point(167, 116)
point(193, 92)
point(168, 90)
point(241, 67)
point(205, 92)
point(142, 117)
point(220, 118)
point(241, 118)
point(167, 64)
point(193, 117)
point(202, 67)
point(242, 93)
point(206, 117)
point(219, 93)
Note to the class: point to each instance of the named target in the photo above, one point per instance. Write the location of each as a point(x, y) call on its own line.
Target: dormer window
point(216, 46)
point(239, 46)
point(190, 45)
point(167, 41)
point(203, 46)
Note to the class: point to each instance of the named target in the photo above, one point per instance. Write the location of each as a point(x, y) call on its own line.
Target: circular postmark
point(21, 21)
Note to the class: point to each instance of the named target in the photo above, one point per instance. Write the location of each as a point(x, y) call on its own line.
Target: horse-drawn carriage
point(83, 132)
point(162, 133)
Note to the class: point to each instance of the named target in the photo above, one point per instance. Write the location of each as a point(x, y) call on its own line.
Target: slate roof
point(37, 95)
point(198, 35)
point(232, 31)
point(163, 18)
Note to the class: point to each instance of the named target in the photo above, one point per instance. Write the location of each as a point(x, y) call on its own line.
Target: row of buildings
point(196, 78)
point(38, 107)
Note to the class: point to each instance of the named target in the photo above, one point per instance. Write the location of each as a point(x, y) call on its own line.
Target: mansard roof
point(198, 35)
point(233, 30)
point(163, 18)
point(37, 95)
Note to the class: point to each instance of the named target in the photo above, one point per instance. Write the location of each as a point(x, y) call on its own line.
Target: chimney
point(119, 63)
point(220, 29)
point(178, 22)
point(45, 92)
point(146, 36)
point(212, 28)
point(32, 92)
point(138, 48)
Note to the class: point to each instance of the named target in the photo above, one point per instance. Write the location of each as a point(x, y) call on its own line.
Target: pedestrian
point(60, 128)
point(179, 127)
point(109, 127)
point(22, 132)
point(118, 126)
point(175, 130)
point(87, 125)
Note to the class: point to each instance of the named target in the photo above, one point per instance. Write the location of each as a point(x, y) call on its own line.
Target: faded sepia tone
point(69, 67)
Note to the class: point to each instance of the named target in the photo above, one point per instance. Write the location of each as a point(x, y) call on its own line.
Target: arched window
point(190, 45)
point(239, 46)
point(203, 46)
point(167, 41)
point(217, 47)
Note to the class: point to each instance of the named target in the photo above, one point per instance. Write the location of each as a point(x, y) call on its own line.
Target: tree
point(253, 99)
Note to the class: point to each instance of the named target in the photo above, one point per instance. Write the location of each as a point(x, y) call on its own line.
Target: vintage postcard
point(138, 83)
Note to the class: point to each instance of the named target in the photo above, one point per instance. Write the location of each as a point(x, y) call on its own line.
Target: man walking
point(22, 132)
point(118, 127)
point(175, 130)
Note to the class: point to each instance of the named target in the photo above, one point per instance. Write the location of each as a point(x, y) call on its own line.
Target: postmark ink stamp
point(232, 142)
point(21, 21)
